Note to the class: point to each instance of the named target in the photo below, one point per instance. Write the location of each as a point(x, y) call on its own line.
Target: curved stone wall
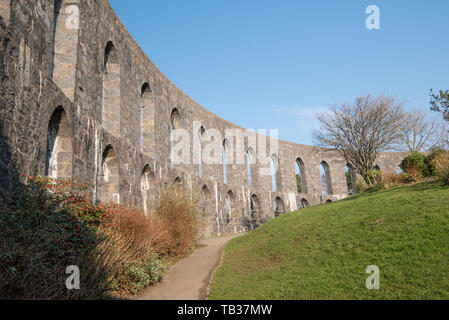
point(95, 85)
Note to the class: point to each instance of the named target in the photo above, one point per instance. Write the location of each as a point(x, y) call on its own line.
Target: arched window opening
point(304, 203)
point(230, 202)
point(250, 163)
point(147, 126)
point(329, 201)
point(111, 91)
point(325, 177)
point(175, 123)
point(275, 173)
point(204, 198)
point(301, 182)
point(65, 46)
point(148, 188)
point(254, 206)
point(201, 132)
point(59, 157)
point(350, 179)
point(399, 170)
point(110, 184)
point(225, 150)
point(178, 181)
point(278, 207)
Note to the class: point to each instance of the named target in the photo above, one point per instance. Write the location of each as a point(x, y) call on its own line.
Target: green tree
point(440, 102)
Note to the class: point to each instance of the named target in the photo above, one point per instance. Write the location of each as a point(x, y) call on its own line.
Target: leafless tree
point(361, 130)
point(421, 132)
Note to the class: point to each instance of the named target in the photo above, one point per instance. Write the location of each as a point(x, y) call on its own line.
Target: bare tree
point(361, 130)
point(420, 132)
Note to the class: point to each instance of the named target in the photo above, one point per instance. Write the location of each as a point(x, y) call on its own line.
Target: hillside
point(322, 252)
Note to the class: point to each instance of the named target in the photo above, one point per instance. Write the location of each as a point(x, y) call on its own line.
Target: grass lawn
point(322, 252)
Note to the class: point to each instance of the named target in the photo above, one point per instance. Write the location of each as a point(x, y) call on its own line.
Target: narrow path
point(188, 278)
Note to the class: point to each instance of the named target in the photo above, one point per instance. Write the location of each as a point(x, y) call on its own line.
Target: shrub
point(389, 181)
point(441, 163)
point(361, 185)
point(415, 165)
point(47, 226)
point(429, 160)
point(179, 211)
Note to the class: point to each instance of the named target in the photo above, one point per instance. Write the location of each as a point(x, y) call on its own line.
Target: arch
point(175, 123)
point(111, 91)
point(65, 45)
point(304, 203)
point(147, 115)
point(325, 177)
point(350, 178)
point(178, 181)
point(110, 182)
point(251, 166)
point(200, 137)
point(275, 173)
point(204, 198)
point(5, 11)
point(300, 174)
point(278, 206)
point(230, 205)
point(59, 158)
point(254, 206)
point(329, 201)
point(399, 169)
point(148, 188)
point(225, 150)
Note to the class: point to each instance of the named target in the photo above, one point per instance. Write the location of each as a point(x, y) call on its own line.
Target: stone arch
point(275, 173)
point(254, 206)
point(111, 91)
point(304, 203)
point(65, 35)
point(148, 189)
point(225, 151)
point(200, 138)
point(175, 123)
point(278, 206)
point(178, 180)
point(147, 116)
point(329, 201)
point(110, 182)
point(5, 11)
point(301, 178)
point(350, 178)
point(204, 198)
point(251, 167)
point(325, 177)
point(59, 158)
point(229, 205)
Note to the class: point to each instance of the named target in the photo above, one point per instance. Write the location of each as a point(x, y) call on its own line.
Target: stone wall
point(87, 104)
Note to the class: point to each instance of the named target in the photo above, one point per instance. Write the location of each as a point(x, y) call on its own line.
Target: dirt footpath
point(188, 278)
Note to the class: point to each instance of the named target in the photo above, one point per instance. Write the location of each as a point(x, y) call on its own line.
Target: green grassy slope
point(322, 252)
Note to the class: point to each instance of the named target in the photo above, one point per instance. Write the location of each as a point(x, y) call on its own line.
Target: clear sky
point(273, 64)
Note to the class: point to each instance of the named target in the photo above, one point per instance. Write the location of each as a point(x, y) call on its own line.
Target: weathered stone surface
point(107, 89)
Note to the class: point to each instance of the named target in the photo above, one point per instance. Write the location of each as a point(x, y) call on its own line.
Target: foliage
point(46, 226)
point(415, 166)
point(440, 102)
point(321, 252)
point(179, 211)
point(435, 152)
point(441, 164)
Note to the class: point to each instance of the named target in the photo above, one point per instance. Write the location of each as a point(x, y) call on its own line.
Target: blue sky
point(274, 64)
